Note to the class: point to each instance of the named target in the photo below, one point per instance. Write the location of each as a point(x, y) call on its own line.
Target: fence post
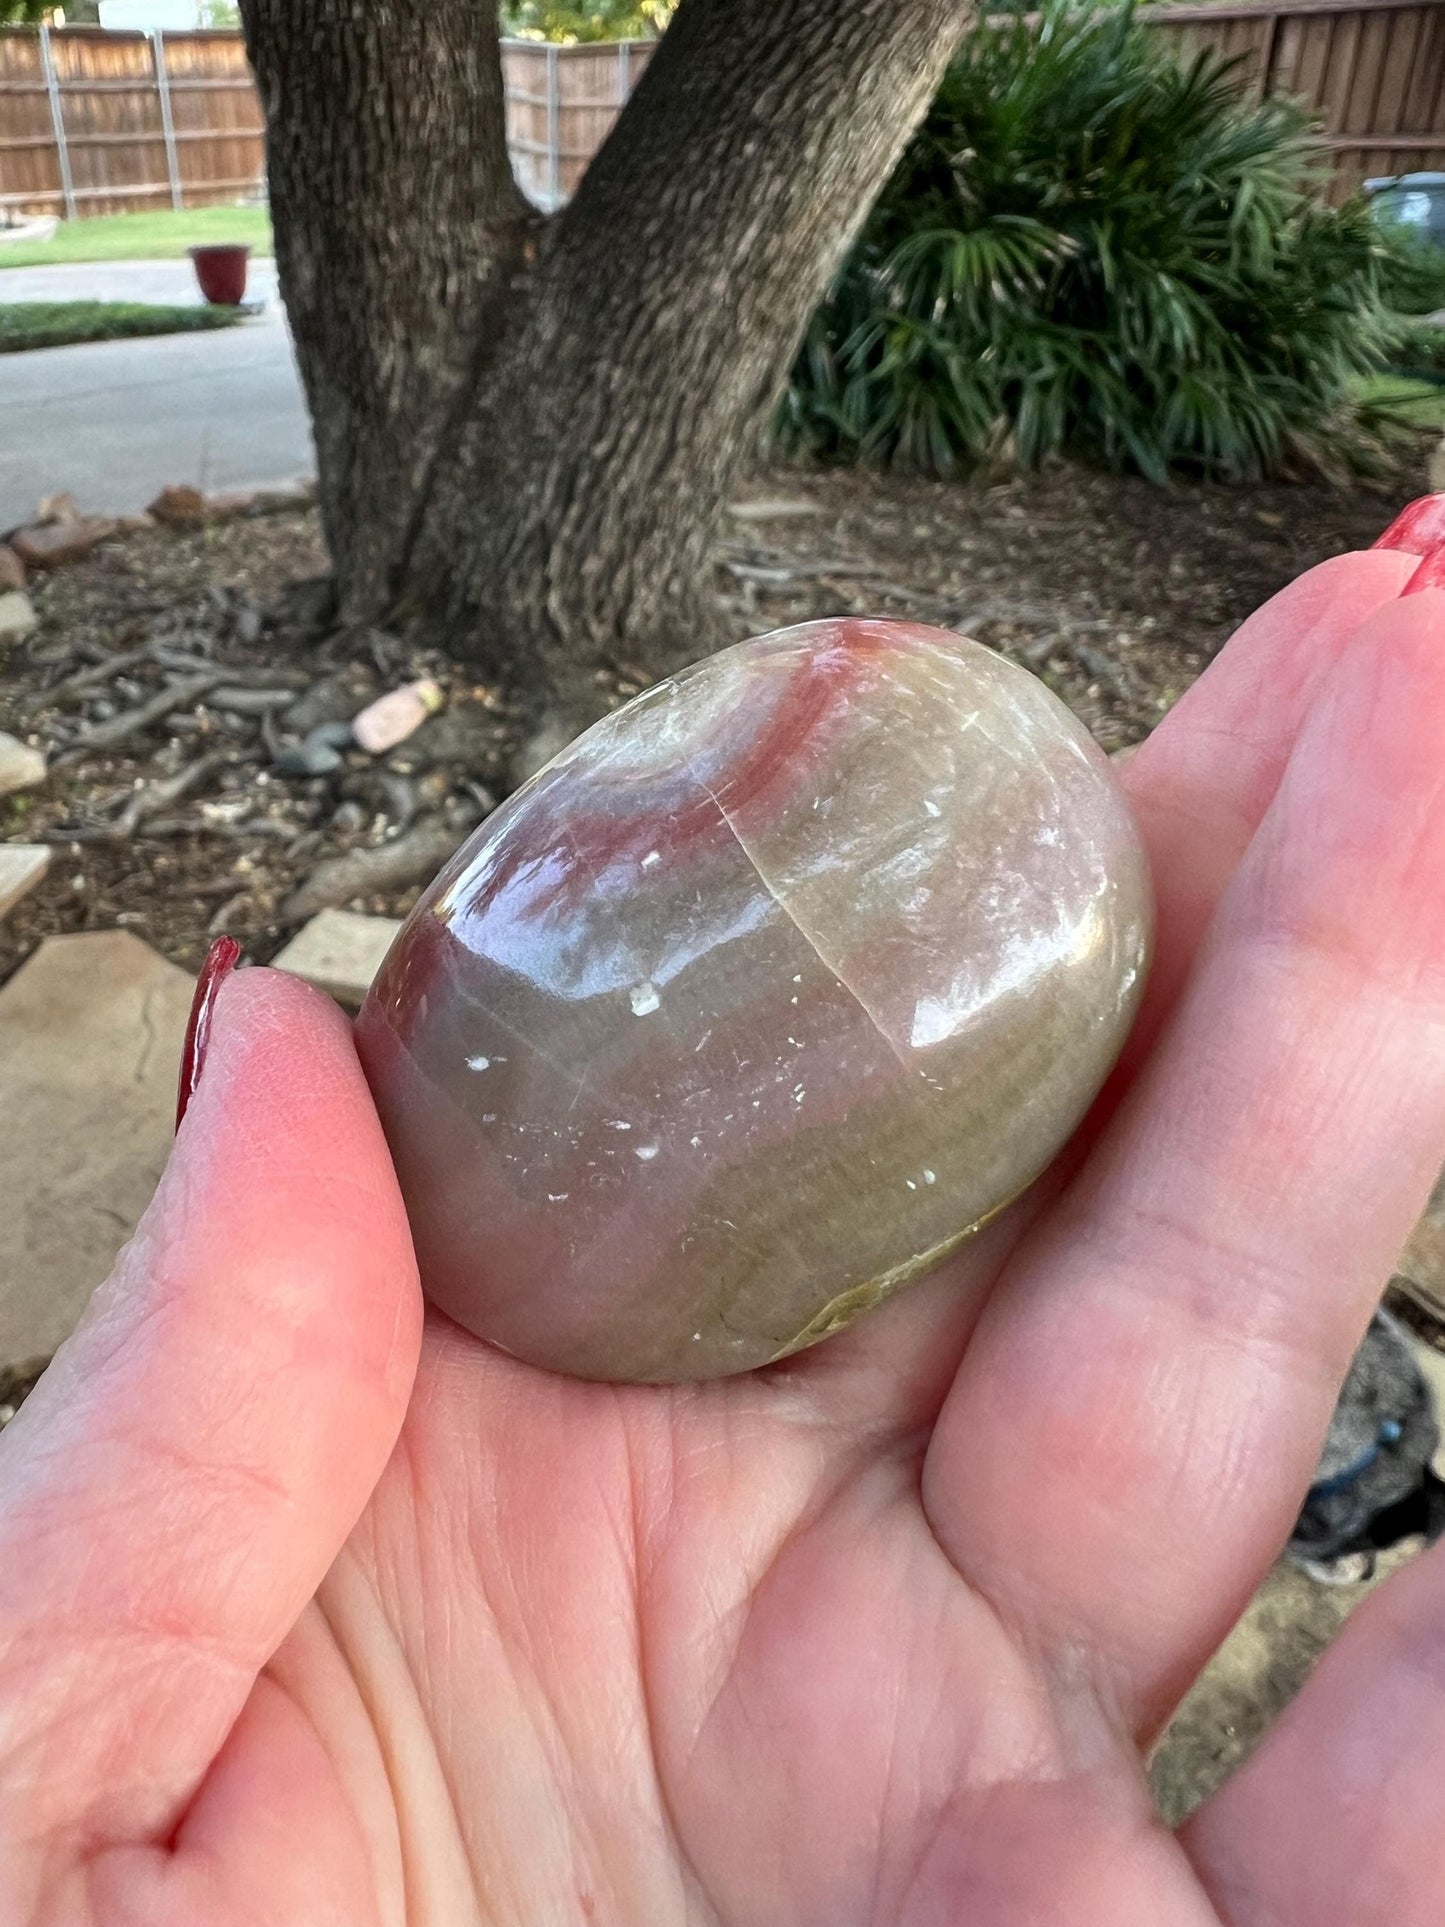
point(168, 126)
point(624, 71)
point(554, 155)
point(57, 122)
point(553, 131)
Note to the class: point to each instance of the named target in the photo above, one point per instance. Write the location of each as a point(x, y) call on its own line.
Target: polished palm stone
point(775, 985)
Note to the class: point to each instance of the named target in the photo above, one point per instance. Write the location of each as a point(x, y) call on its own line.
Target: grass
point(1415, 404)
point(141, 237)
point(56, 324)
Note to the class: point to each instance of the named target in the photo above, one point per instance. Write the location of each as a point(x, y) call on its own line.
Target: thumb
point(177, 1484)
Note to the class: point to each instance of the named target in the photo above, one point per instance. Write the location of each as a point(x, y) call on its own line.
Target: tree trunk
point(399, 234)
point(527, 431)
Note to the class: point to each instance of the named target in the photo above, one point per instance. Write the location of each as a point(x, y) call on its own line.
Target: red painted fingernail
point(221, 960)
point(1429, 575)
point(1416, 529)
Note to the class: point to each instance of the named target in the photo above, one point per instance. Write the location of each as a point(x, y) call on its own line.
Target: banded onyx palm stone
point(769, 990)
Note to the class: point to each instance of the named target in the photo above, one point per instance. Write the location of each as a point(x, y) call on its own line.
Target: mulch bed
point(1116, 593)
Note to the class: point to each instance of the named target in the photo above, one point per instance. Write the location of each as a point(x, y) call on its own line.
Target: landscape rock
point(49, 545)
point(90, 1038)
point(281, 496)
point(332, 698)
point(22, 865)
point(340, 952)
point(17, 617)
point(318, 754)
point(179, 504)
point(396, 715)
point(1421, 1269)
point(12, 569)
point(21, 767)
point(413, 857)
point(59, 507)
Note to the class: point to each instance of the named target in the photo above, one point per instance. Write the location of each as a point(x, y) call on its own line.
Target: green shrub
point(1089, 248)
point(1414, 273)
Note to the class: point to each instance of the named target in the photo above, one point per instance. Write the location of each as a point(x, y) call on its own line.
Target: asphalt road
point(114, 421)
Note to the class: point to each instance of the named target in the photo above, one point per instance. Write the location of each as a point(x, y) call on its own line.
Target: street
point(112, 422)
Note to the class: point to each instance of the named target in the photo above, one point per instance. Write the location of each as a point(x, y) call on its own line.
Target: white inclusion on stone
point(489, 1117)
point(647, 1152)
point(697, 1335)
point(797, 980)
point(702, 1040)
point(931, 806)
point(644, 999)
point(617, 1124)
point(929, 1177)
point(556, 1197)
point(911, 1185)
point(479, 1063)
point(695, 1142)
point(651, 858)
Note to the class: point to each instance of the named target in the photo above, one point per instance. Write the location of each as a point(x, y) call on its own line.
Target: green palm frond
point(1091, 247)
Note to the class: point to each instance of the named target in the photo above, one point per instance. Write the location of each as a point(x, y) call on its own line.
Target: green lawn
point(56, 324)
point(142, 237)
point(1418, 404)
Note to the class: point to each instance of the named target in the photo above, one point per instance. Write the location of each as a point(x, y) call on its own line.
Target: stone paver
point(340, 952)
point(22, 865)
point(17, 616)
point(90, 1038)
point(21, 767)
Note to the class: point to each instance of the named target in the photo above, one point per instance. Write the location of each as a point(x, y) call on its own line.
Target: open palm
point(874, 1636)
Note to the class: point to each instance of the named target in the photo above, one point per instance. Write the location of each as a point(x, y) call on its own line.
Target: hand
point(296, 1630)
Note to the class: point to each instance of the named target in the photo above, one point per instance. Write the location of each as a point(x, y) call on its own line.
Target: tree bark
point(399, 233)
point(527, 431)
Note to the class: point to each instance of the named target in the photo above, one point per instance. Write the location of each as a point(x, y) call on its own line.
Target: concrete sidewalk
point(113, 421)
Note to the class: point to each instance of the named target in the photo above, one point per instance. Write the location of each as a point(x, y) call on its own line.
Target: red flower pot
point(221, 271)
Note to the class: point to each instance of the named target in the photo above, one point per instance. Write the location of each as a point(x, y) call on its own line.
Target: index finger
point(176, 1486)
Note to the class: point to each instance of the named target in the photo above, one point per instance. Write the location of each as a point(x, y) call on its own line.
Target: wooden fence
point(1372, 70)
point(561, 103)
point(106, 123)
point(95, 123)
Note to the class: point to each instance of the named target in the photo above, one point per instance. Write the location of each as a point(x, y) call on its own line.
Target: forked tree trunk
point(527, 428)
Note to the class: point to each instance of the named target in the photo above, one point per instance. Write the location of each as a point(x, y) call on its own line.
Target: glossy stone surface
point(746, 1009)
